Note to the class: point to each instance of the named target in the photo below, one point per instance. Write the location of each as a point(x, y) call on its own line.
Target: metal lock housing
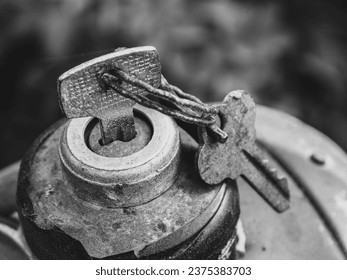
point(144, 200)
point(82, 196)
point(122, 180)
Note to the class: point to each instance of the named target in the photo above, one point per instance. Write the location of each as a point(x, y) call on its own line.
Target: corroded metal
point(82, 93)
point(239, 155)
point(299, 233)
point(146, 199)
point(144, 132)
point(219, 158)
point(184, 106)
point(124, 180)
point(49, 209)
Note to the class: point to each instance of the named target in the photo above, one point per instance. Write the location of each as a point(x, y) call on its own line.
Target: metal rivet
point(317, 159)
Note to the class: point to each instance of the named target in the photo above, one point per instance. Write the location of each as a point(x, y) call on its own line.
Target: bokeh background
point(288, 54)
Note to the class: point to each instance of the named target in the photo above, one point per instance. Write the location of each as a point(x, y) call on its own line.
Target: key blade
point(239, 155)
point(266, 181)
point(82, 94)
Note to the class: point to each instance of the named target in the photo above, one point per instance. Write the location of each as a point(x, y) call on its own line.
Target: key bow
point(241, 133)
point(239, 155)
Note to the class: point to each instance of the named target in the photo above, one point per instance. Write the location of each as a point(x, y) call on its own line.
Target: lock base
point(58, 224)
point(278, 238)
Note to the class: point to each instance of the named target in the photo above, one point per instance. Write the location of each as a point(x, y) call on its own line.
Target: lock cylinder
point(130, 174)
point(144, 200)
point(118, 180)
point(123, 181)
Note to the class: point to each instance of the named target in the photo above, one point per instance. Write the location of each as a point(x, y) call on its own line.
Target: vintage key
point(226, 152)
point(82, 92)
point(239, 155)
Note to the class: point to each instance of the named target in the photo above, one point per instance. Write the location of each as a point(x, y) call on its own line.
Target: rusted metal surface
point(144, 132)
point(109, 231)
point(182, 234)
point(218, 158)
point(143, 198)
point(239, 155)
point(184, 106)
point(300, 232)
point(82, 93)
point(127, 180)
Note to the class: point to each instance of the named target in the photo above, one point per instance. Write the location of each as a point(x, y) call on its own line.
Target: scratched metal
point(82, 93)
point(108, 231)
point(239, 155)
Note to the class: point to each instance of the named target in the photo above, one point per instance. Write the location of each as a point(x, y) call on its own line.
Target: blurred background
point(290, 55)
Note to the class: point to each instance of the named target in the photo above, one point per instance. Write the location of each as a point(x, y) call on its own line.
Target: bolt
point(317, 159)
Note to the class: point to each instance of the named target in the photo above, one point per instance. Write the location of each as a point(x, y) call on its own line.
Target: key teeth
point(276, 175)
point(267, 165)
point(282, 182)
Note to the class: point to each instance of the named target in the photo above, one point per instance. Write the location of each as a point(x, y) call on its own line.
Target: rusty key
point(239, 155)
point(82, 92)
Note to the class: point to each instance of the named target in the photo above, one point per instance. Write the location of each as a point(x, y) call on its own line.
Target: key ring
point(188, 108)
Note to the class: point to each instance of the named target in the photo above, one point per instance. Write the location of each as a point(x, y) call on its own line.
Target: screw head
point(318, 159)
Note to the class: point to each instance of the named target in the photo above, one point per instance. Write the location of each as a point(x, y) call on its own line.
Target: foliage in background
point(287, 54)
